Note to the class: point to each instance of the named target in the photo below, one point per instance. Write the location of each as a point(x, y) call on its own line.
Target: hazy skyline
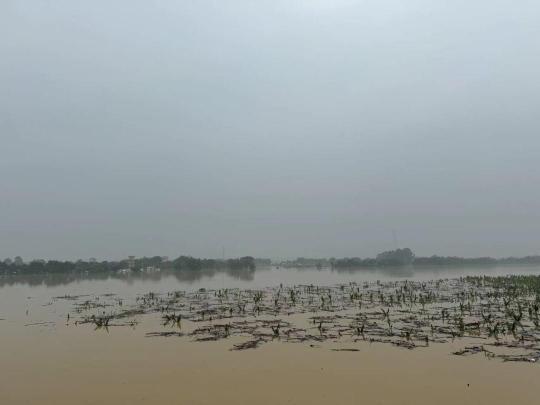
point(269, 128)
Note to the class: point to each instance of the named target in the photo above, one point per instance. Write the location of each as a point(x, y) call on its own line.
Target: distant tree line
point(475, 261)
point(396, 258)
point(192, 263)
point(56, 266)
point(92, 266)
point(405, 257)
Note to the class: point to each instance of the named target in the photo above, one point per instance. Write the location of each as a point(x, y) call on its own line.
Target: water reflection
point(263, 276)
point(187, 277)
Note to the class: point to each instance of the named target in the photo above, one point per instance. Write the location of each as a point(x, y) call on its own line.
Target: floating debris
point(250, 344)
point(164, 334)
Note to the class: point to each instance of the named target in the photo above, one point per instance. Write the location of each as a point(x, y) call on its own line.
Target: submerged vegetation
point(495, 316)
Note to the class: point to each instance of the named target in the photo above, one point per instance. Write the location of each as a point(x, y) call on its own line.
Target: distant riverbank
point(398, 258)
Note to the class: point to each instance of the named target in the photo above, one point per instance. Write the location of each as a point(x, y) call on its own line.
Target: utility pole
point(394, 237)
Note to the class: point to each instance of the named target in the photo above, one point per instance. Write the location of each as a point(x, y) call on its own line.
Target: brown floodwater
point(46, 360)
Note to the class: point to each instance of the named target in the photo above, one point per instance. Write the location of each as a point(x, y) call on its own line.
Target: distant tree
point(187, 263)
point(35, 267)
point(398, 257)
point(18, 261)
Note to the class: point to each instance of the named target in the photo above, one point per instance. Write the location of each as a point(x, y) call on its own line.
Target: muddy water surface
point(46, 359)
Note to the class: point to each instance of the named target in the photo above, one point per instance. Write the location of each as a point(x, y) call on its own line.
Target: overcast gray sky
point(271, 128)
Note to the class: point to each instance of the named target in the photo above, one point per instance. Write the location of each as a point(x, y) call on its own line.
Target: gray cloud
point(272, 128)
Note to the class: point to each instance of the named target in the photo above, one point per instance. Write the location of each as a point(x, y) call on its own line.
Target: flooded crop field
point(494, 312)
point(162, 338)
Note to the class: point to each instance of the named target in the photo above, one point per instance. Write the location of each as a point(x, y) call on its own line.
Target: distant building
point(131, 262)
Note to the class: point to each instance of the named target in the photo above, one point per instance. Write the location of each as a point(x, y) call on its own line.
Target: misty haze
point(275, 129)
point(270, 202)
